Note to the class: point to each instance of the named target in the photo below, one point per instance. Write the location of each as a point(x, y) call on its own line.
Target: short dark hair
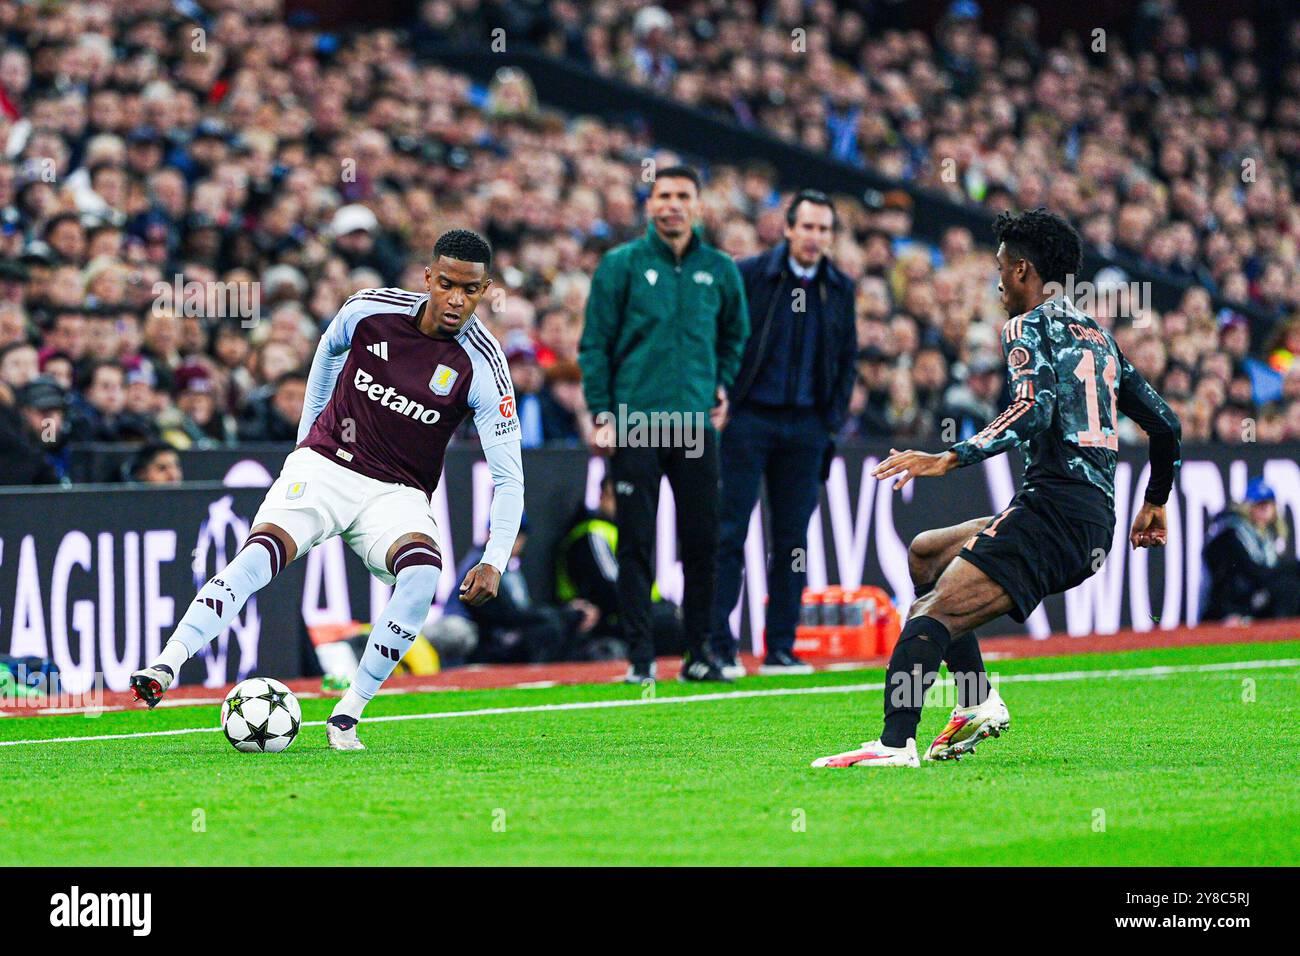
point(59, 356)
point(1042, 238)
point(680, 171)
point(87, 377)
point(293, 375)
point(465, 245)
point(814, 196)
point(59, 219)
point(145, 456)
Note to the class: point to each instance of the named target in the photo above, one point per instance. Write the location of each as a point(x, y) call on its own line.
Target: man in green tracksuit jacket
point(665, 328)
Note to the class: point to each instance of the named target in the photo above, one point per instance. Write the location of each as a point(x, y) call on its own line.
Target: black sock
point(912, 669)
point(966, 664)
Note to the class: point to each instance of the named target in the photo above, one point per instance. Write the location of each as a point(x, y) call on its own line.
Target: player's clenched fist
point(1149, 530)
point(480, 585)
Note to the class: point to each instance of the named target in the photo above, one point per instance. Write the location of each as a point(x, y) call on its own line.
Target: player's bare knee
point(920, 558)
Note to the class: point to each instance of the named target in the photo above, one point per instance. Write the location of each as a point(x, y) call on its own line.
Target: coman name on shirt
point(388, 397)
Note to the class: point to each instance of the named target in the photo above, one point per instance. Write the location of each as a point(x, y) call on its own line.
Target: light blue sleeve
point(331, 354)
point(506, 464)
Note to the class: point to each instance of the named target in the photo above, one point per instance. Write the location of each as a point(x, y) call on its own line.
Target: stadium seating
point(284, 172)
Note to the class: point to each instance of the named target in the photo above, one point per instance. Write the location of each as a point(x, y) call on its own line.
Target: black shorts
point(1036, 548)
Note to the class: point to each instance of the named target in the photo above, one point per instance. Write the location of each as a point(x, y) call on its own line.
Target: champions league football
point(261, 715)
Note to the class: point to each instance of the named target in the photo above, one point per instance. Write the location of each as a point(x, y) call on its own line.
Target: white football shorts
point(314, 499)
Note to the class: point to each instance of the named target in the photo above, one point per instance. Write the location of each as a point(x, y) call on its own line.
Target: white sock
point(391, 637)
point(218, 601)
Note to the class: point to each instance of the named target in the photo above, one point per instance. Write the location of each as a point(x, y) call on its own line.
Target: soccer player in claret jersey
point(1069, 382)
point(394, 375)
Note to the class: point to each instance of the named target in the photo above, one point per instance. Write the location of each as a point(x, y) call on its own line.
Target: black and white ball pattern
point(261, 715)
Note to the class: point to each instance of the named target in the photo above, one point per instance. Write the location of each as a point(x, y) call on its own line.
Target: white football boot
point(733, 669)
point(873, 754)
point(968, 726)
point(643, 674)
point(151, 683)
point(341, 732)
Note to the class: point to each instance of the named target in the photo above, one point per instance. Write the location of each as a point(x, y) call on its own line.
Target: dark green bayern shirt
point(1069, 384)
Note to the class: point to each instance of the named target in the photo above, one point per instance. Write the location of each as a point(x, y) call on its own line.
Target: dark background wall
point(106, 571)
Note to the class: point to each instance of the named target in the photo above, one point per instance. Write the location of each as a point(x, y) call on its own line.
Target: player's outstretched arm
point(914, 464)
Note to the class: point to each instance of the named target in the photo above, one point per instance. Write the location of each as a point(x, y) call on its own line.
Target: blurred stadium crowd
point(149, 152)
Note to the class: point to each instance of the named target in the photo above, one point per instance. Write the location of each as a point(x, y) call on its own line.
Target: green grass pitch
point(1194, 766)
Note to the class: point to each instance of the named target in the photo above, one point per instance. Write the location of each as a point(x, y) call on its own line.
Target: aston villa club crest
point(443, 380)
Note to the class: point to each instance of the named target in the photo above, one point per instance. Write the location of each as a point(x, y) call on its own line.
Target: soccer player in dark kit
point(1069, 382)
point(394, 375)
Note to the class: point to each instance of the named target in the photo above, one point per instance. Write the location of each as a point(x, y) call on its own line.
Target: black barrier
point(252, 463)
point(95, 580)
point(859, 536)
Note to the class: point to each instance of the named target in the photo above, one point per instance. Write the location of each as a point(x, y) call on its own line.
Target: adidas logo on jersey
point(388, 397)
point(380, 349)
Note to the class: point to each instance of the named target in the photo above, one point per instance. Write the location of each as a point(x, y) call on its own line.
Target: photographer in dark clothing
point(1248, 573)
point(586, 567)
point(514, 628)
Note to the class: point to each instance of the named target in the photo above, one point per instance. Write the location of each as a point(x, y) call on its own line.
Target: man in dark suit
point(789, 399)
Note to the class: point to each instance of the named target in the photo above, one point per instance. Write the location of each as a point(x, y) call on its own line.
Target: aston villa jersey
point(400, 394)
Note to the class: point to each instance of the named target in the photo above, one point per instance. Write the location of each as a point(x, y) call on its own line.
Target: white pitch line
point(1134, 672)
